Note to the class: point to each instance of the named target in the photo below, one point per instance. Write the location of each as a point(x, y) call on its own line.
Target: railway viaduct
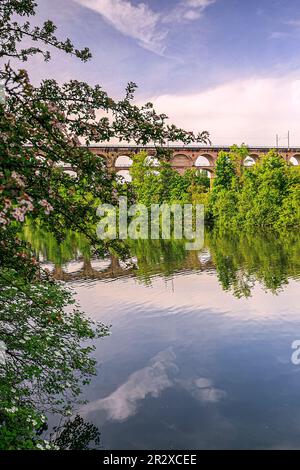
point(119, 158)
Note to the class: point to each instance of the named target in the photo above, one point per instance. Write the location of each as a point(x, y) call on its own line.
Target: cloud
point(191, 15)
point(278, 35)
point(198, 8)
point(251, 110)
point(143, 24)
point(198, 3)
point(189, 10)
point(138, 22)
point(152, 380)
point(149, 381)
point(203, 390)
point(295, 23)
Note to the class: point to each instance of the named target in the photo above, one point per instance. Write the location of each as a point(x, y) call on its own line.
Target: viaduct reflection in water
point(240, 260)
point(88, 272)
point(116, 269)
point(192, 367)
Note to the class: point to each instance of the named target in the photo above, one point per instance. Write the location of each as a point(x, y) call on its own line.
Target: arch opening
point(203, 160)
point(125, 176)
point(249, 161)
point(295, 160)
point(123, 161)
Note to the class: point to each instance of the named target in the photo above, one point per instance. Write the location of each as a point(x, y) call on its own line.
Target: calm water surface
point(199, 355)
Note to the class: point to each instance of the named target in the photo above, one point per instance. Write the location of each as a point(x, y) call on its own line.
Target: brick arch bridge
point(184, 157)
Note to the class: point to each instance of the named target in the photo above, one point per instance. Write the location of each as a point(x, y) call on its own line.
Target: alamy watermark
point(160, 221)
point(295, 358)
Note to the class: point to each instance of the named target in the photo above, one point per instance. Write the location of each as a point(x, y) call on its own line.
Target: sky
point(231, 67)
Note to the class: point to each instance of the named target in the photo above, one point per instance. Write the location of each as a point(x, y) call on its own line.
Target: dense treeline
point(44, 356)
point(266, 194)
point(156, 182)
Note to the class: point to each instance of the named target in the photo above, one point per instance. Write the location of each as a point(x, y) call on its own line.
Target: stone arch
point(125, 176)
point(110, 160)
point(101, 155)
point(295, 159)
point(181, 161)
point(209, 171)
point(123, 161)
point(105, 159)
point(204, 160)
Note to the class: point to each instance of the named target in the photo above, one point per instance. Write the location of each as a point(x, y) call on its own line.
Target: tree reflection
point(244, 259)
point(76, 434)
point(240, 260)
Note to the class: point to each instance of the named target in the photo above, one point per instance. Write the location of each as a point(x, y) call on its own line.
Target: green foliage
point(223, 205)
point(20, 426)
point(225, 172)
point(46, 360)
point(45, 245)
point(158, 184)
point(157, 256)
point(41, 130)
point(76, 434)
point(241, 258)
point(290, 210)
point(244, 258)
point(264, 195)
point(13, 33)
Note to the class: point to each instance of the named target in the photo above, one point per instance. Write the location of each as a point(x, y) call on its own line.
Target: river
point(200, 351)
